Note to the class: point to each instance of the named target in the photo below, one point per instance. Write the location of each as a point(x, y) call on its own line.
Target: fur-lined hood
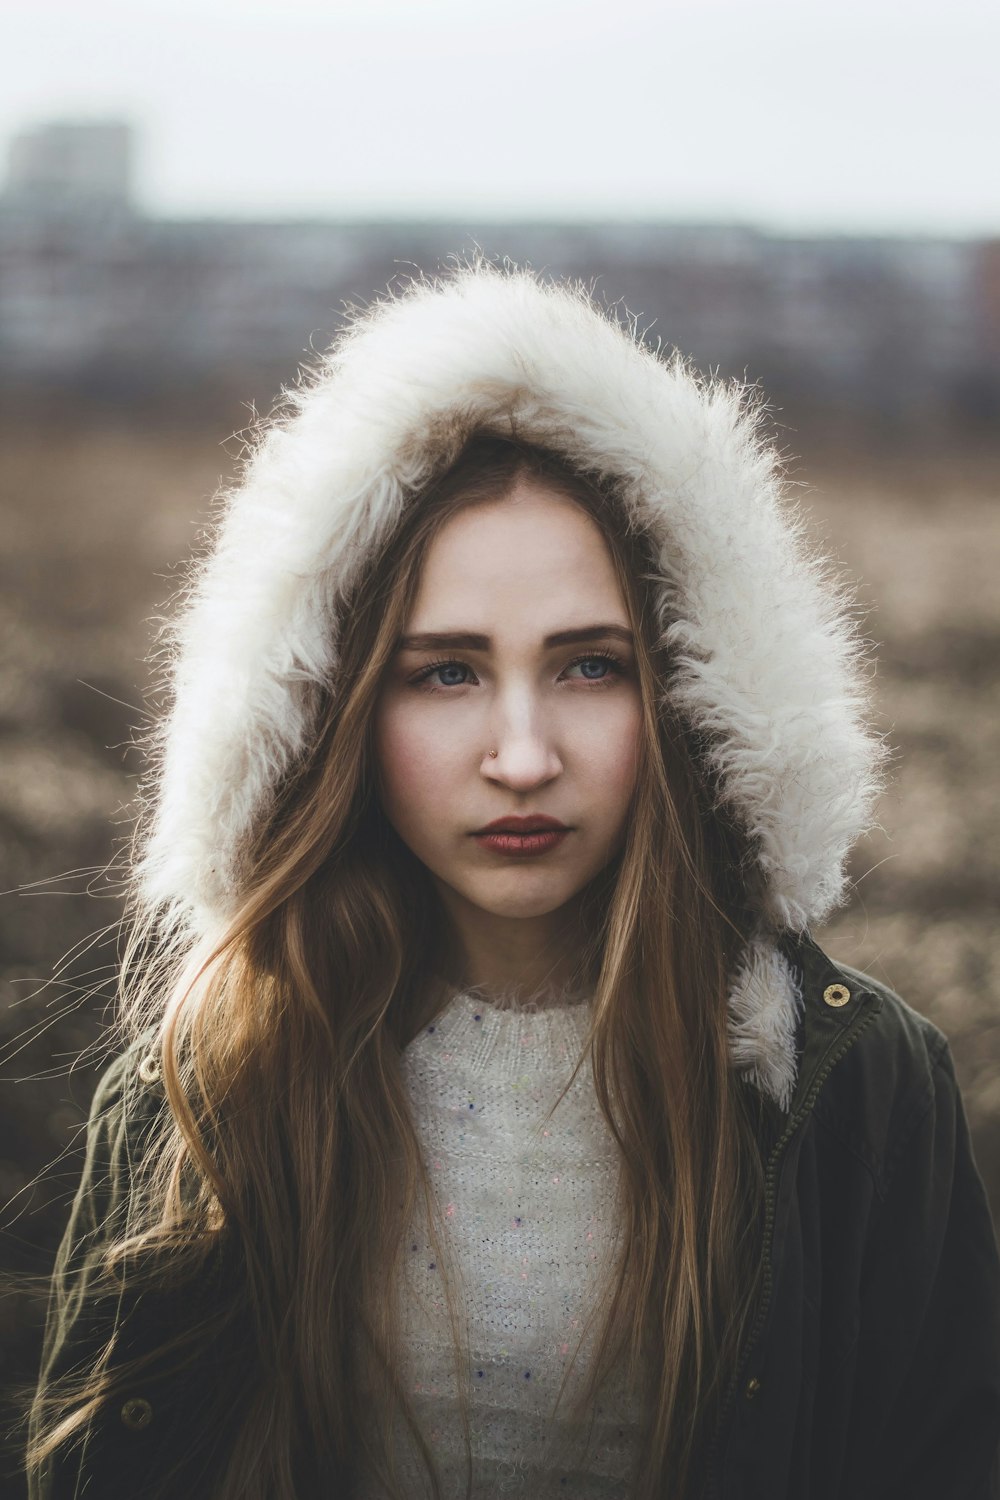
point(767, 654)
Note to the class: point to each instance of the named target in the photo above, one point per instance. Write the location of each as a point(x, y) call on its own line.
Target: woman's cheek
point(413, 763)
point(613, 745)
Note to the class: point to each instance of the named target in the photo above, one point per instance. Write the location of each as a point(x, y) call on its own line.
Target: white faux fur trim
point(770, 664)
point(764, 1006)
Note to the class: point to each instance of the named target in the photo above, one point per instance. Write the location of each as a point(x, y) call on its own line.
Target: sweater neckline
point(489, 1037)
point(506, 998)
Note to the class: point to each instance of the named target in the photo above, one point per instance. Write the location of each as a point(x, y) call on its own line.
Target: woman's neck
point(515, 957)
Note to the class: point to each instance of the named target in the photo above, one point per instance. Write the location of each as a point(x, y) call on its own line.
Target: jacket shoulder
point(889, 1078)
point(897, 1023)
point(126, 1102)
point(130, 1089)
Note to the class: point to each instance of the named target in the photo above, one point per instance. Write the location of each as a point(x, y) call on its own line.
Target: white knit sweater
point(529, 1211)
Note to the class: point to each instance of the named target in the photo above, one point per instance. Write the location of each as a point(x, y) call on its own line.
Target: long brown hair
point(287, 1114)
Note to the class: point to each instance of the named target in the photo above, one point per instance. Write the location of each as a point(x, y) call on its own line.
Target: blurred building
point(62, 162)
point(96, 295)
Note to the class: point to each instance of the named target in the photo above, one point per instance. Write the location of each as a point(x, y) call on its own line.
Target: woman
point(488, 1119)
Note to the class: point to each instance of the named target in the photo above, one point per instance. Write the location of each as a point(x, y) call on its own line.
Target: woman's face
point(501, 580)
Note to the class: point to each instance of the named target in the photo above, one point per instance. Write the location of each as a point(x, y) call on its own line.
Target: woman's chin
point(523, 896)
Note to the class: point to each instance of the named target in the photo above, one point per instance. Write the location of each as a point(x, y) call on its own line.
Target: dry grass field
point(96, 516)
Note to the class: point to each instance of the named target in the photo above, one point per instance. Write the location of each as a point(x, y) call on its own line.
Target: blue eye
point(604, 660)
point(444, 666)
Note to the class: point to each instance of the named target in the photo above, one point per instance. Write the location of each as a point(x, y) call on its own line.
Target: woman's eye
point(447, 669)
point(599, 668)
point(452, 674)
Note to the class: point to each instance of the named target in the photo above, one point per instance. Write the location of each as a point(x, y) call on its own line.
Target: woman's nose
point(526, 754)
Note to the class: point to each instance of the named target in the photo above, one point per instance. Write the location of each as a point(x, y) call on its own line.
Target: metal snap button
point(136, 1413)
point(836, 994)
point(752, 1387)
point(149, 1068)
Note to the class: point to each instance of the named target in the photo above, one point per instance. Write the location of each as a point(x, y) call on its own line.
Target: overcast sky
point(859, 115)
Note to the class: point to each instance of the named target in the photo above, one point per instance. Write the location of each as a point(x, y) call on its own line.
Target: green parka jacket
point(871, 1369)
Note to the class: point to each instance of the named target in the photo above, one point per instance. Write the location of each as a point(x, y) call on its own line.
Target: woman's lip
point(521, 845)
point(528, 825)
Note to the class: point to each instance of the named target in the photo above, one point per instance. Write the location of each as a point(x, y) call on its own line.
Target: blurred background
point(802, 195)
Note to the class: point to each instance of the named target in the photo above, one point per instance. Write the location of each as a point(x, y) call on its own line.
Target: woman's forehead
point(537, 531)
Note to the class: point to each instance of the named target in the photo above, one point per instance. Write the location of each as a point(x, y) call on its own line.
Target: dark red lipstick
point(533, 834)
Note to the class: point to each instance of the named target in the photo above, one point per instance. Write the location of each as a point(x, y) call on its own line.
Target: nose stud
point(494, 754)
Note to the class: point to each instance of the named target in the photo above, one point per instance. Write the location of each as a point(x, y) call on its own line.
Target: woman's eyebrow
point(442, 640)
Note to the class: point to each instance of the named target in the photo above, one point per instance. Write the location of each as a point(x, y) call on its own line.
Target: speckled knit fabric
point(529, 1210)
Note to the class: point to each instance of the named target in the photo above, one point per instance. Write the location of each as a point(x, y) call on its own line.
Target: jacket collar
point(826, 1004)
